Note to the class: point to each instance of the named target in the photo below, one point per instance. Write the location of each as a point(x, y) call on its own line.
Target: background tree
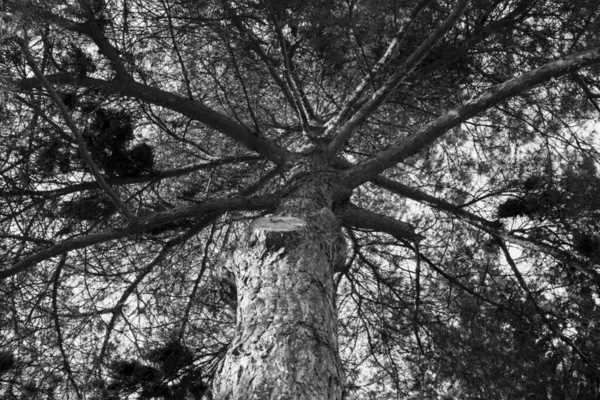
point(398, 199)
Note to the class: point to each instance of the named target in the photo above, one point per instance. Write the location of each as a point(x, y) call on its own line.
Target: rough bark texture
point(285, 345)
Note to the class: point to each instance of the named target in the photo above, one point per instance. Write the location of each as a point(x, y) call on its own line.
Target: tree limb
point(361, 89)
point(543, 314)
point(57, 326)
point(176, 241)
point(367, 109)
point(428, 133)
point(196, 111)
point(356, 217)
point(287, 74)
point(91, 29)
point(153, 177)
point(145, 224)
point(489, 227)
point(269, 62)
point(588, 93)
point(85, 154)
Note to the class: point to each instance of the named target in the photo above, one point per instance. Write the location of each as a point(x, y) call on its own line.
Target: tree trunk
point(285, 346)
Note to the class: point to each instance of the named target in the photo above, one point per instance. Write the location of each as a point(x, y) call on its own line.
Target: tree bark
point(285, 346)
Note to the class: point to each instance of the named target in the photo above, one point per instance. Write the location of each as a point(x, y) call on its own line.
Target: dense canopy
point(440, 157)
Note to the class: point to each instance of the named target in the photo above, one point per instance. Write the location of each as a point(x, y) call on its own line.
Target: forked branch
point(369, 107)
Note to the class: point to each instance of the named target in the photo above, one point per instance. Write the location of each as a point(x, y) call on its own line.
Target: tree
point(299, 199)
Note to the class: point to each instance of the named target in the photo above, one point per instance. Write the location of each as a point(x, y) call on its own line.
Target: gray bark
point(285, 346)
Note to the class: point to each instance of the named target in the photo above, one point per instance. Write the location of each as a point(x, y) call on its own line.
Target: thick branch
point(182, 105)
point(342, 136)
point(361, 89)
point(43, 14)
point(588, 93)
point(145, 224)
point(355, 217)
point(91, 29)
point(427, 134)
point(490, 227)
point(287, 73)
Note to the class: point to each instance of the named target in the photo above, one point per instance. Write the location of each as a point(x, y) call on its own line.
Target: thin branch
point(539, 310)
point(287, 73)
point(186, 78)
point(255, 46)
point(303, 97)
point(118, 308)
point(26, 239)
point(417, 297)
point(182, 238)
point(75, 130)
point(588, 93)
point(153, 117)
point(153, 177)
point(455, 281)
point(481, 32)
point(239, 77)
point(192, 297)
point(59, 335)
